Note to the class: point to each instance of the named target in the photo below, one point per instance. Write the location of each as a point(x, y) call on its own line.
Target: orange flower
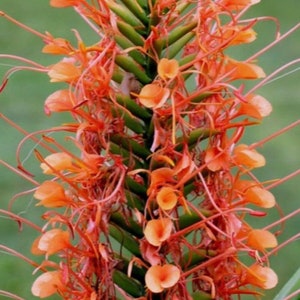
point(242, 70)
point(216, 160)
point(153, 95)
point(248, 157)
point(59, 161)
point(57, 46)
point(262, 277)
point(168, 68)
point(238, 35)
point(157, 231)
point(257, 107)
point(159, 278)
point(159, 177)
point(238, 4)
point(47, 284)
point(167, 198)
point(51, 242)
point(63, 71)
point(261, 239)
point(260, 197)
point(64, 3)
point(51, 194)
point(62, 100)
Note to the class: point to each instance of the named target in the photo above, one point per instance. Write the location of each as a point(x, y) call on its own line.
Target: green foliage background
point(23, 98)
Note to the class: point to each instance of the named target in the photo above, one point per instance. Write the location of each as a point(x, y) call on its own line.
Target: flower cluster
point(153, 201)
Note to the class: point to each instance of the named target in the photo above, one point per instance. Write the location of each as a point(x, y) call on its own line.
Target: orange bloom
point(63, 71)
point(261, 239)
point(159, 278)
point(237, 35)
point(51, 242)
point(167, 198)
point(157, 231)
point(257, 107)
point(153, 95)
point(62, 100)
point(159, 177)
point(248, 157)
point(64, 3)
point(57, 46)
point(242, 70)
point(262, 277)
point(47, 284)
point(59, 161)
point(238, 4)
point(260, 197)
point(51, 194)
point(168, 68)
point(216, 160)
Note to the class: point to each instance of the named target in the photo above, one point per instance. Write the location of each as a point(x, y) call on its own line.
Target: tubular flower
point(63, 71)
point(168, 68)
point(262, 277)
point(167, 198)
point(47, 284)
point(157, 231)
point(249, 158)
point(260, 197)
point(153, 95)
point(57, 162)
point(51, 242)
point(62, 100)
point(51, 194)
point(163, 277)
point(261, 239)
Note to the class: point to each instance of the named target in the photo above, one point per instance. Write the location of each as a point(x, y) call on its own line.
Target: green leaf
point(292, 284)
point(133, 107)
point(128, 31)
point(129, 285)
point(129, 65)
point(201, 296)
point(123, 42)
point(125, 14)
point(125, 239)
point(131, 145)
point(137, 10)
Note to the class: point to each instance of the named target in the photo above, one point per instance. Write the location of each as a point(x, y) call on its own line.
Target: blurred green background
point(23, 98)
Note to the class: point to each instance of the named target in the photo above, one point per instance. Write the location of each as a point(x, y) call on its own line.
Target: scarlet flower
point(62, 100)
point(51, 242)
point(157, 231)
point(153, 95)
point(59, 161)
point(248, 157)
point(51, 194)
point(168, 68)
point(167, 198)
point(260, 239)
point(47, 284)
point(262, 277)
point(63, 72)
point(159, 277)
